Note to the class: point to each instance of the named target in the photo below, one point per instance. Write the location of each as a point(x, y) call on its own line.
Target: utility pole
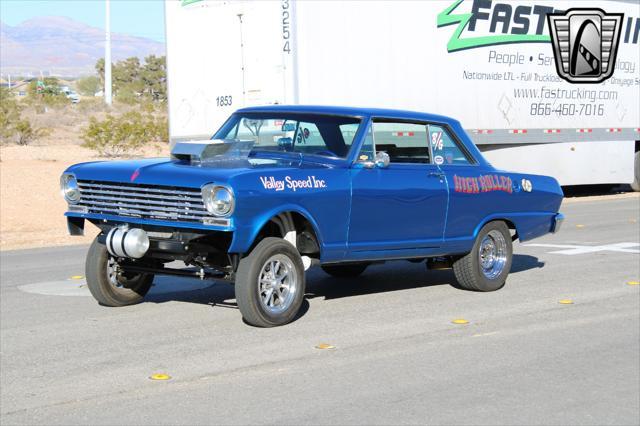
point(244, 96)
point(107, 54)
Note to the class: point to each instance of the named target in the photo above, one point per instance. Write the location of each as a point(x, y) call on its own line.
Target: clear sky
point(144, 18)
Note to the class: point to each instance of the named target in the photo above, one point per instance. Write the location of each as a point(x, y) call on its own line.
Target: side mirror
point(285, 143)
point(381, 160)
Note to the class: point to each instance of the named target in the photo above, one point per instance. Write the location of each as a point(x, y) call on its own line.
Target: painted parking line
point(573, 249)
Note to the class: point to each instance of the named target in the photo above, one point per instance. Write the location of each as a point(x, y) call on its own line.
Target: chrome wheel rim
point(492, 254)
point(112, 272)
point(277, 284)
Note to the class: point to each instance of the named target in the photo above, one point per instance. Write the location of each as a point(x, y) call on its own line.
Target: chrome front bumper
point(557, 222)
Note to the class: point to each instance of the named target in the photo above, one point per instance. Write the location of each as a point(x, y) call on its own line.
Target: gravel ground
point(31, 208)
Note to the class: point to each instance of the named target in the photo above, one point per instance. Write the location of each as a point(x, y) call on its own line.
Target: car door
point(469, 202)
point(399, 209)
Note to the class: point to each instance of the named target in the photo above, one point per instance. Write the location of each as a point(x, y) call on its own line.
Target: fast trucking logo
point(585, 44)
point(526, 20)
point(579, 36)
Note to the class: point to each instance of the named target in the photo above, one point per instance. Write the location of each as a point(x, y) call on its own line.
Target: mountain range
point(61, 46)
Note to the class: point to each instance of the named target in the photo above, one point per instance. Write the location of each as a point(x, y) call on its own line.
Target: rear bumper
point(558, 219)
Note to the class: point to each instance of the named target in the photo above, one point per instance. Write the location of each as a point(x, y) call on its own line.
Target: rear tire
point(635, 185)
point(345, 271)
point(270, 283)
point(105, 285)
point(486, 267)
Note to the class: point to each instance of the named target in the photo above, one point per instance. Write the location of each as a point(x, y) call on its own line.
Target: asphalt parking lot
point(522, 358)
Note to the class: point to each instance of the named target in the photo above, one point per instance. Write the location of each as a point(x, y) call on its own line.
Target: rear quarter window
point(445, 149)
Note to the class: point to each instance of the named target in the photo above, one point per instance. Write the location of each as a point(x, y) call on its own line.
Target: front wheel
point(108, 285)
point(270, 283)
point(486, 267)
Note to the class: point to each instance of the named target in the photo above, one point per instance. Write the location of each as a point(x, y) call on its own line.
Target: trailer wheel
point(107, 286)
point(486, 267)
point(636, 173)
point(345, 271)
point(270, 283)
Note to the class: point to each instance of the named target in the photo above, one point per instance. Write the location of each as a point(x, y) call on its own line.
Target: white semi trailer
point(488, 63)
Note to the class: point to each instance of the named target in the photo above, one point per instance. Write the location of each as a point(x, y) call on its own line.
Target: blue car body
point(357, 213)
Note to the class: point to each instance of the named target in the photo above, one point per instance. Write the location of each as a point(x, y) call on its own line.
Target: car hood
point(163, 171)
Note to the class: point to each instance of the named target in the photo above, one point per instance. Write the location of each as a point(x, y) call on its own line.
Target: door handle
point(437, 174)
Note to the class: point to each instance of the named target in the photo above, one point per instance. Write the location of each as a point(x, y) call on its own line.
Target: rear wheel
point(270, 283)
point(345, 271)
point(108, 285)
point(486, 267)
point(636, 173)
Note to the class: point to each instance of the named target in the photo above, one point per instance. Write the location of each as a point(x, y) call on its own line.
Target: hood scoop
point(212, 152)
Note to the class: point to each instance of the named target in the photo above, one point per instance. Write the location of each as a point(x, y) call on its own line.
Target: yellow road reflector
point(460, 321)
point(579, 226)
point(160, 376)
point(325, 346)
point(77, 277)
point(633, 282)
point(566, 302)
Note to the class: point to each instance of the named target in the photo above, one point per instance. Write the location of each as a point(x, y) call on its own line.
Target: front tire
point(486, 267)
point(270, 283)
point(107, 286)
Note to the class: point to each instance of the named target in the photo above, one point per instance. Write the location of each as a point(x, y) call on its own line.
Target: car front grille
point(143, 201)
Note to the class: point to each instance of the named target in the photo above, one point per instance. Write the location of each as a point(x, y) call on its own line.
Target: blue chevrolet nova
point(279, 189)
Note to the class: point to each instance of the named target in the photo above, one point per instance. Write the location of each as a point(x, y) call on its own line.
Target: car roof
point(351, 111)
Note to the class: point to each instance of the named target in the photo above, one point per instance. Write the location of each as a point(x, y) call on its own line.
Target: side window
point(309, 135)
point(404, 142)
point(445, 149)
point(264, 132)
point(349, 132)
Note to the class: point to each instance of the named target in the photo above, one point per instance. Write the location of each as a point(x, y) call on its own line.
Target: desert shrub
point(13, 126)
point(91, 105)
point(26, 133)
point(9, 115)
point(122, 135)
point(46, 93)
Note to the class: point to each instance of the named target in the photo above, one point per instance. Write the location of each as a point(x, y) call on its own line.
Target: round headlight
point(69, 188)
point(218, 200)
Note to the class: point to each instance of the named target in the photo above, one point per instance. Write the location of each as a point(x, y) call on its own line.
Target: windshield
point(302, 133)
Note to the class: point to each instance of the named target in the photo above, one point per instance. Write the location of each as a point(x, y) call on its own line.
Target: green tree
point(89, 86)
point(154, 77)
point(128, 85)
point(131, 80)
point(100, 70)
